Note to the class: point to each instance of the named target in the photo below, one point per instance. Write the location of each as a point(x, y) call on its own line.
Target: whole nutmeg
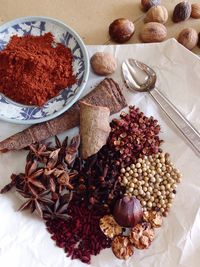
point(157, 14)
point(146, 4)
point(181, 11)
point(128, 211)
point(188, 37)
point(121, 30)
point(103, 63)
point(195, 13)
point(153, 32)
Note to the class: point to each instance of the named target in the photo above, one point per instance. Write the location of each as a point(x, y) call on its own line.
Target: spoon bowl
point(141, 78)
point(138, 76)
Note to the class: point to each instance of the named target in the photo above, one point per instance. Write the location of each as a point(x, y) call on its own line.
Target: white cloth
point(24, 242)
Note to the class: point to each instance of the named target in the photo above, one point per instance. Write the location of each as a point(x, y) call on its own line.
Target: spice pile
point(40, 57)
point(153, 180)
point(113, 198)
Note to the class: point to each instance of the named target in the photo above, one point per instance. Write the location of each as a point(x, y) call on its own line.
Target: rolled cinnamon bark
point(94, 128)
point(107, 94)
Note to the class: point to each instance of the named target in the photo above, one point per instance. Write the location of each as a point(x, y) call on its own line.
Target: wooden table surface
point(91, 18)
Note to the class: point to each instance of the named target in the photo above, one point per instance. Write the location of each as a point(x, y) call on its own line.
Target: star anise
point(72, 149)
point(39, 151)
point(29, 181)
point(9, 186)
point(59, 209)
point(36, 201)
point(52, 161)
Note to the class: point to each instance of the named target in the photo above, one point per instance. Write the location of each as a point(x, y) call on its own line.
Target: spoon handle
point(186, 128)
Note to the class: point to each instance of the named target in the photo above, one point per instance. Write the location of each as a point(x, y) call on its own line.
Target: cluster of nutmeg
point(129, 227)
point(154, 30)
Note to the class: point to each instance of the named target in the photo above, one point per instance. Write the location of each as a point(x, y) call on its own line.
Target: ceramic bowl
point(17, 113)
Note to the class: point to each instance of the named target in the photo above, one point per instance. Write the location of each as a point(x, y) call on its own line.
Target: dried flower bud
point(121, 30)
point(154, 218)
point(122, 247)
point(142, 235)
point(109, 226)
point(182, 11)
point(128, 211)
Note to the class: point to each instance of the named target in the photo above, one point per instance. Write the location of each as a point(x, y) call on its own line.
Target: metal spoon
point(139, 77)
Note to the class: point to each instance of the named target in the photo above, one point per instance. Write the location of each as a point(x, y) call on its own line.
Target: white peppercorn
point(153, 181)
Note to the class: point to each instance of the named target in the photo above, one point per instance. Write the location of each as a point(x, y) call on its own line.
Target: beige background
point(91, 18)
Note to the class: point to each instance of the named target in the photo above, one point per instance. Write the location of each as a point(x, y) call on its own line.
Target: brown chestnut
point(147, 4)
point(121, 30)
point(128, 211)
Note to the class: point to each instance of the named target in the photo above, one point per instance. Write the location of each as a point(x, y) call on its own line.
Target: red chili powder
point(34, 69)
point(81, 236)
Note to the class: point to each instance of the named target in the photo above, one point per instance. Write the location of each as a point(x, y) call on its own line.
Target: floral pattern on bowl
point(17, 113)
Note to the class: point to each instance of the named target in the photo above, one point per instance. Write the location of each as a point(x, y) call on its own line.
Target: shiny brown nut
point(128, 211)
point(103, 63)
point(122, 247)
point(109, 226)
point(142, 235)
point(195, 13)
point(153, 32)
point(154, 218)
point(188, 37)
point(147, 4)
point(182, 11)
point(121, 30)
point(157, 14)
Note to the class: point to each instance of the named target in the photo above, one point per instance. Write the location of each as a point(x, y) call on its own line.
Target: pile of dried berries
point(134, 136)
point(80, 236)
point(153, 180)
point(97, 183)
point(140, 236)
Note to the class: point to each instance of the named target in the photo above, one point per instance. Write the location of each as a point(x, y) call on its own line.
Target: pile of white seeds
point(152, 180)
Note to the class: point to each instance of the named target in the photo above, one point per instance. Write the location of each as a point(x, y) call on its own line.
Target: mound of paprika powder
point(34, 69)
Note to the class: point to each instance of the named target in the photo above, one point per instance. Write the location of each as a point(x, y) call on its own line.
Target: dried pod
point(109, 226)
point(182, 11)
point(142, 235)
point(153, 32)
point(188, 37)
point(154, 218)
point(122, 247)
point(121, 30)
point(195, 13)
point(147, 4)
point(103, 63)
point(157, 14)
point(128, 211)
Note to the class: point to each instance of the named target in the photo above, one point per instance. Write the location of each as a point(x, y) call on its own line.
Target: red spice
point(134, 135)
point(34, 69)
point(81, 236)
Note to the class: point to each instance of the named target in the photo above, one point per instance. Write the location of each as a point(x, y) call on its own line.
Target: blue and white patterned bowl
point(17, 113)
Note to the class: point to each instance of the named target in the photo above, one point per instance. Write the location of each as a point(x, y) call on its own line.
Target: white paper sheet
point(24, 241)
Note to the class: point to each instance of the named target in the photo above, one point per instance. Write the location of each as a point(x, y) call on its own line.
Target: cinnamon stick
point(94, 128)
point(107, 94)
